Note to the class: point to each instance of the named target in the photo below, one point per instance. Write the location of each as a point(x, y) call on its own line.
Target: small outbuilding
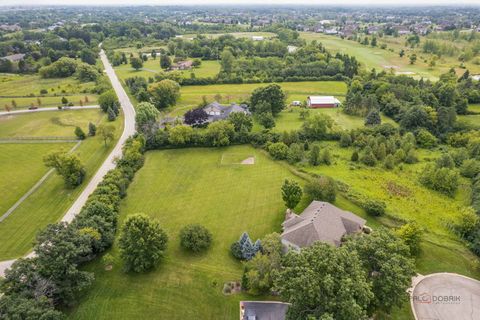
point(323, 102)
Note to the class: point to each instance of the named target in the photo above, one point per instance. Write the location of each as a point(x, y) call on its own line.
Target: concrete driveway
point(446, 296)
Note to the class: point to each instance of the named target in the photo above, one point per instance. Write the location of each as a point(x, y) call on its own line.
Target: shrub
point(470, 168)
point(92, 129)
point(195, 238)
point(236, 250)
point(314, 156)
point(278, 150)
point(322, 189)
point(444, 180)
point(368, 158)
point(411, 234)
point(345, 140)
point(374, 207)
point(354, 157)
point(389, 162)
point(79, 133)
point(425, 139)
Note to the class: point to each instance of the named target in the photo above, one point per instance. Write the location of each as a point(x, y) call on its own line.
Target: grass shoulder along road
point(50, 201)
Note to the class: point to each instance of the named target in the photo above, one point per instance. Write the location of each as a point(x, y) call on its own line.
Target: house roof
point(323, 100)
point(320, 221)
point(263, 310)
point(14, 57)
point(224, 110)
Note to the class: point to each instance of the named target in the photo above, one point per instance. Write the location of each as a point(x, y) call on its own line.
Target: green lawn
point(386, 59)
point(21, 167)
point(47, 101)
point(151, 67)
point(48, 124)
point(371, 57)
point(184, 186)
point(25, 85)
point(228, 93)
point(474, 108)
point(408, 200)
point(49, 202)
point(289, 119)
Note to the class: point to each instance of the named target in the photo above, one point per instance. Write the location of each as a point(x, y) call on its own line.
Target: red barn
point(323, 102)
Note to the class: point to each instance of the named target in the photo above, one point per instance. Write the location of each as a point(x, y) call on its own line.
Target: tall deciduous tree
point(142, 243)
point(291, 193)
point(164, 93)
point(136, 63)
point(68, 166)
point(107, 132)
point(388, 267)
point(268, 99)
point(146, 119)
point(165, 62)
point(323, 280)
point(226, 61)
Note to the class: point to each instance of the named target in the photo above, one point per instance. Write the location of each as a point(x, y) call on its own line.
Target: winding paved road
point(109, 163)
point(445, 296)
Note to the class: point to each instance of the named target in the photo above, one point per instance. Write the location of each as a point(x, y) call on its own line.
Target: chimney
point(288, 214)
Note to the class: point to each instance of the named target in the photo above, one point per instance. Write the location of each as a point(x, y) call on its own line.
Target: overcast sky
point(238, 2)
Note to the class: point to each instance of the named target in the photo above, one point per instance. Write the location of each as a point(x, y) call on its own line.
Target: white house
point(258, 38)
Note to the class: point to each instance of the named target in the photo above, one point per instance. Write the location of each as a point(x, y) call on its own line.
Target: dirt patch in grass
point(249, 160)
point(231, 287)
point(397, 190)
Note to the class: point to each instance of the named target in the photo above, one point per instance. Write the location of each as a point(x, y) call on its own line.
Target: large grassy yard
point(191, 96)
point(50, 201)
point(179, 187)
point(25, 90)
point(48, 124)
point(23, 165)
point(289, 119)
point(208, 69)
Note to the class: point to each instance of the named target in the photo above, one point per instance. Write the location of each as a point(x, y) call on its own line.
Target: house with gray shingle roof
point(14, 57)
point(320, 221)
point(217, 111)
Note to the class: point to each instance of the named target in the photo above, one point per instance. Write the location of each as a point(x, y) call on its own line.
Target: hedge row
point(37, 287)
point(240, 80)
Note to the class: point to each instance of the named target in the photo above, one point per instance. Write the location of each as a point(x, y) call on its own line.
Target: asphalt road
point(109, 163)
point(446, 296)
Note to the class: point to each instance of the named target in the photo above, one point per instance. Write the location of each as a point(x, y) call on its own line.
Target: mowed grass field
point(289, 119)
point(408, 200)
point(208, 68)
point(180, 187)
point(472, 120)
point(25, 90)
point(382, 59)
point(48, 124)
point(21, 167)
point(50, 201)
point(191, 96)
